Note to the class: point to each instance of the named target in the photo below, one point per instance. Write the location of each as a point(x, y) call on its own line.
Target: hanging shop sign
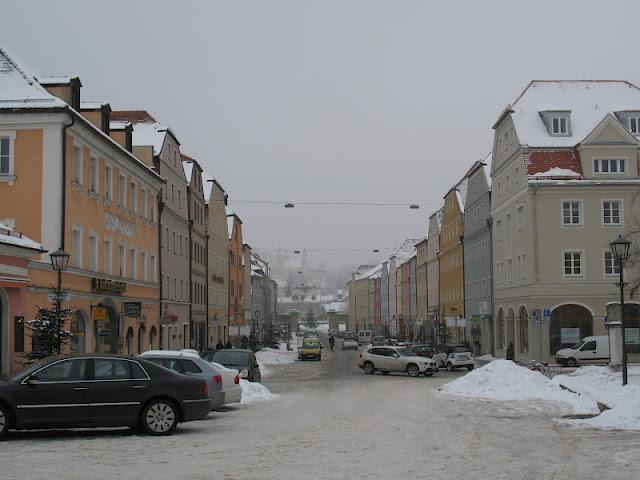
point(100, 314)
point(109, 287)
point(132, 309)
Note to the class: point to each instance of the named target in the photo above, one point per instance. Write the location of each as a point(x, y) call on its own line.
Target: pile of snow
point(321, 327)
point(273, 356)
point(602, 385)
point(255, 392)
point(503, 380)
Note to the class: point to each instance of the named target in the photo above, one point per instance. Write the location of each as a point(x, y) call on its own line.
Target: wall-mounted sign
point(132, 309)
point(569, 335)
point(100, 314)
point(119, 225)
point(110, 287)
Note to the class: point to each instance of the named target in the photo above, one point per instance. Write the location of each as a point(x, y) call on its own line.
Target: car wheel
point(571, 362)
point(5, 420)
point(159, 417)
point(450, 367)
point(368, 368)
point(470, 367)
point(413, 370)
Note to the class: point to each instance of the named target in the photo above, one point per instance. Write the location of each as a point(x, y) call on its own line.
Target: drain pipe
point(64, 179)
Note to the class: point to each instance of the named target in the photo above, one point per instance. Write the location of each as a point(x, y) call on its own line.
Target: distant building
point(433, 277)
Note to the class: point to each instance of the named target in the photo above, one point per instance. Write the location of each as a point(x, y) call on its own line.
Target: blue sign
point(547, 314)
point(104, 333)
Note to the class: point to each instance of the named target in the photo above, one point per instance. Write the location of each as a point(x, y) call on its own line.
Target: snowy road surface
point(329, 421)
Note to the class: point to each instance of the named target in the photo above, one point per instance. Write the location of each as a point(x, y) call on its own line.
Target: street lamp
point(59, 262)
point(620, 249)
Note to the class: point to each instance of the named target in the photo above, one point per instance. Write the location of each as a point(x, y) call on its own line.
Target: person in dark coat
point(228, 345)
point(219, 345)
point(510, 351)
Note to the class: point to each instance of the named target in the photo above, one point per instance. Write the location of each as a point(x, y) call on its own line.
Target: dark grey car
point(100, 391)
point(241, 359)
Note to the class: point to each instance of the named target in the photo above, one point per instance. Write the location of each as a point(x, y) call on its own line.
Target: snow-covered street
point(327, 420)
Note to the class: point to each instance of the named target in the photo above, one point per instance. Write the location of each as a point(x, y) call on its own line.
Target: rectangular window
point(132, 262)
point(108, 183)
point(611, 212)
point(133, 197)
point(5, 156)
point(121, 260)
point(174, 241)
point(18, 334)
point(571, 213)
point(122, 185)
point(77, 164)
point(143, 202)
point(559, 125)
point(520, 217)
point(143, 266)
point(76, 247)
point(175, 288)
point(154, 271)
point(167, 245)
point(609, 166)
point(154, 201)
point(611, 267)
point(107, 256)
point(572, 264)
point(634, 124)
point(509, 270)
point(499, 229)
point(181, 250)
point(93, 174)
point(93, 252)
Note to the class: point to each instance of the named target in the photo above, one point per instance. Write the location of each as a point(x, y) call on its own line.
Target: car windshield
point(405, 352)
point(459, 350)
point(578, 345)
point(231, 358)
point(310, 345)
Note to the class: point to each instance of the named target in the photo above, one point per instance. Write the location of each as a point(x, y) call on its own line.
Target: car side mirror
point(32, 380)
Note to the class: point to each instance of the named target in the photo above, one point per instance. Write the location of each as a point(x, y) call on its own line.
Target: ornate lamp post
point(59, 262)
point(620, 250)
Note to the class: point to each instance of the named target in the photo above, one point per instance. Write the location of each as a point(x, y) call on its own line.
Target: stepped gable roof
point(147, 131)
point(588, 102)
point(554, 164)
point(20, 89)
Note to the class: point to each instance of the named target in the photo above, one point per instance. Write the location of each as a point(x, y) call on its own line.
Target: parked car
point(395, 359)
point(243, 360)
point(391, 341)
point(188, 363)
point(310, 348)
point(588, 350)
point(364, 337)
point(452, 356)
point(379, 340)
point(424, 350)
point(78, 391)
point(350, 344)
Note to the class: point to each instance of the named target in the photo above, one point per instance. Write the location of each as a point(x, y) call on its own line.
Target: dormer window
point(557, 122)
point(634, 125)
point(560, 125)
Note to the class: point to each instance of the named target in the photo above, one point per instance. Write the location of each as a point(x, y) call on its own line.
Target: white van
point(587, 350)
point(364, 337)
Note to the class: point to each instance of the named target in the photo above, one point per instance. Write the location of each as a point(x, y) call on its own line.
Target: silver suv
point(387, 359)
point(454, 356)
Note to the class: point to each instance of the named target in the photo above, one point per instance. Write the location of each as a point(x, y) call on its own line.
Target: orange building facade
point(71, 186)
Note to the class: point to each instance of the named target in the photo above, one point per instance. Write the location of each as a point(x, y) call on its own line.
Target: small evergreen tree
point(47, 335)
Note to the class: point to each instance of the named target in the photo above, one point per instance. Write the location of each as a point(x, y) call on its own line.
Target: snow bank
point(503, 380)
point(602, 385)
point(272, 356)
point(255, 392)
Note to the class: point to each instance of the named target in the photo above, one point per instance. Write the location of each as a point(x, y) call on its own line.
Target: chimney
point(122, 132)
point(97, 113)
point(66, 88)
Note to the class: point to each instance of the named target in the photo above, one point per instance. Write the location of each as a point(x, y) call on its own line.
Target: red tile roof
point(544, 160)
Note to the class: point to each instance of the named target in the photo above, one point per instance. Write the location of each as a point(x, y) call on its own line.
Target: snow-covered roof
point(9, 236)
point(230, 225)
point(92, 105)
point(405, 251)
point(56, 79)
point(339, 307)
point(588, 102)
point(461, 192)
point(370, 273)
point(118, 124)
point(556, 172)
point(19, 88)
point(149, 134)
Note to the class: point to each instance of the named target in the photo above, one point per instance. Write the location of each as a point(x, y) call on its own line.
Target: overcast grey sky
point(372, 101)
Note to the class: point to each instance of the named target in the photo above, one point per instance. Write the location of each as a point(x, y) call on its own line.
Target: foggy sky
point(362, 101)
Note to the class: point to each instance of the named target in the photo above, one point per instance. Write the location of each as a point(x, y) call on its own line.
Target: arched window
point(524, 330)
point(569, 324)
point(153, 338)
point(129, 342)
point(500, 329)
point(141, 337)
point(76, 342)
